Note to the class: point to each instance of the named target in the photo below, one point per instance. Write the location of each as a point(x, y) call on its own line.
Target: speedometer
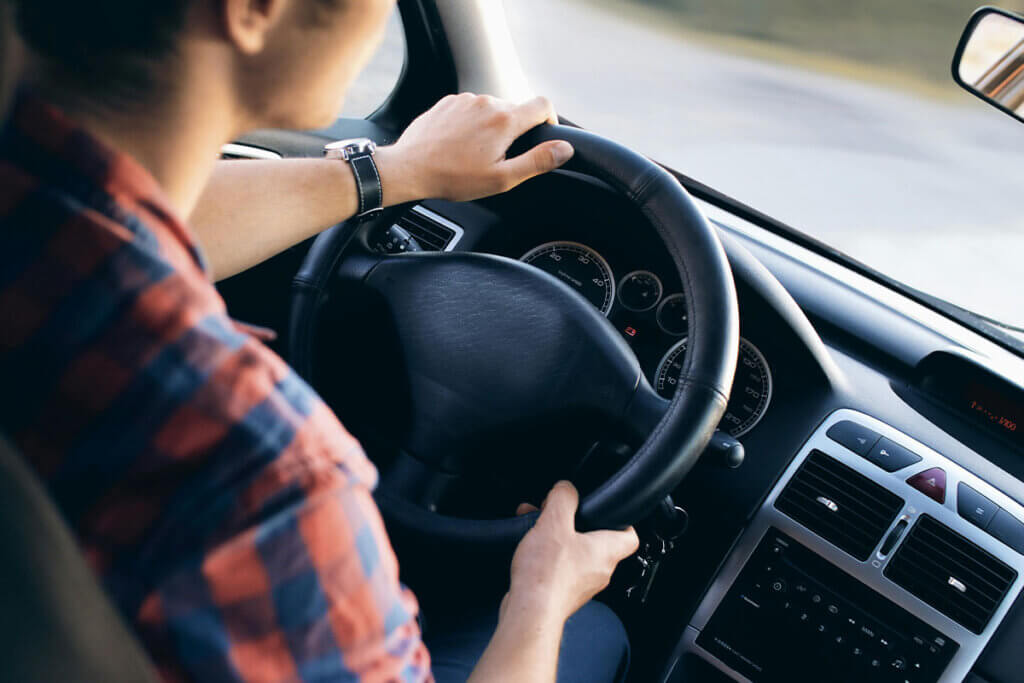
point(578, 266)
point(751, 389)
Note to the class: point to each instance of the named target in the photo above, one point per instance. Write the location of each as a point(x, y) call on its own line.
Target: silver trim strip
point(441, 220)
point(870, 572)
point(236, 149)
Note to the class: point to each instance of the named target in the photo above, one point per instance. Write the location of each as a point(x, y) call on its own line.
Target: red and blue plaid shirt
point(223, 506)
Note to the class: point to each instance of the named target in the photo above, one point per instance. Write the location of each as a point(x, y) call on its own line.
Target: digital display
point(977, 395)
point(994, 408)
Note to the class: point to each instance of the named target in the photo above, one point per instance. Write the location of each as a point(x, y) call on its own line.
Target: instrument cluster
point(654, 322)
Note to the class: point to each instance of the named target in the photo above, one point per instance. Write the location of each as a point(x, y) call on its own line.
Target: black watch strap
point(368, 185)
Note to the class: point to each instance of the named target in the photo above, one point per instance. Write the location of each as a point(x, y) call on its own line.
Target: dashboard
point(869, 556)
point(771, 570)
point(915, 578)
point(654, 323)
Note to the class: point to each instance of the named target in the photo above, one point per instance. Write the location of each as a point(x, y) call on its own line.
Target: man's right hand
point(556, 569)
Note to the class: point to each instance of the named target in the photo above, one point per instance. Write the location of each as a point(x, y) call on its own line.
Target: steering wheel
point(493, 345)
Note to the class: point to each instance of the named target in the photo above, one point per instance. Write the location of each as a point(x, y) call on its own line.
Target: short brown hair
point(102, 45)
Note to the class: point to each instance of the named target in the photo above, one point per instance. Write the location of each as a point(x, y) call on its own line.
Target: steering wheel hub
point(493, 346)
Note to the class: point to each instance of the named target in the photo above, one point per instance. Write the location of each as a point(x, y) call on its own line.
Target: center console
point(874, 558)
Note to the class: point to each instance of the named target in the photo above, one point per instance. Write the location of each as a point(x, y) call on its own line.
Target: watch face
point(346, 149)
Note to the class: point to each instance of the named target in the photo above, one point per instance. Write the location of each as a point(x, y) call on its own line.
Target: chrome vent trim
point(950, 573)
point(844, 507)
point(871, 572)
point(235, 150)
point(432, 231)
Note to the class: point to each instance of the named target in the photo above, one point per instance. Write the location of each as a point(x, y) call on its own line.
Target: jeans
point(594, 647)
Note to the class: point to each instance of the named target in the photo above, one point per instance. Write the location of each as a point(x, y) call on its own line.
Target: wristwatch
point(358, 152)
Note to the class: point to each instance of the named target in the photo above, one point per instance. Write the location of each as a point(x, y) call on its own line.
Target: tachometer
point(751, 390)
point(578, 266)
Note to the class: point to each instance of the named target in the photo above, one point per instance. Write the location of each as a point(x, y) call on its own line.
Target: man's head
point(282, 63)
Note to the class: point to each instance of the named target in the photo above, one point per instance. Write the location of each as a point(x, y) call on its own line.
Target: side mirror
point(989, 61)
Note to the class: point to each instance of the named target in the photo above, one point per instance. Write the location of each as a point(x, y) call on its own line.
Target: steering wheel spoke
point(495, 351)
point(644, 412)
point(417, 481)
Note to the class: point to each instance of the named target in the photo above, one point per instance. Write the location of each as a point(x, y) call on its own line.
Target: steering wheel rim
point(679, 430)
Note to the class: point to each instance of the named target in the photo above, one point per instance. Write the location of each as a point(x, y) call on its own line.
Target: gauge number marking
point(578, 266)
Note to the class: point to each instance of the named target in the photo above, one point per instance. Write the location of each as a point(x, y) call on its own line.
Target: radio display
point(979, 396)
point(988, 405)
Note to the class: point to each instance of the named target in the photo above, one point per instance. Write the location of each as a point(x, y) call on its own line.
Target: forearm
point(251, 210)
point(524, 647)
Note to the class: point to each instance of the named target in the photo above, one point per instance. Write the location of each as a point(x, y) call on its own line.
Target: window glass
point(381, 75)
point(838, 117)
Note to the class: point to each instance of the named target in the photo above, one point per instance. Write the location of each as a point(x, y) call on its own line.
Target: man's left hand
point(457, 150)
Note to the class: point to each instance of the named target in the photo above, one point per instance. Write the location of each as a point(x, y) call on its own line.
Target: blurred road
point(927, 191)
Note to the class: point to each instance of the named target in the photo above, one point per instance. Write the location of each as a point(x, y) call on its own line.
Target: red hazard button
point(931, 483)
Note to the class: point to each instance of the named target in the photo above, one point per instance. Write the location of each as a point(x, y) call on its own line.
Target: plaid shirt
point(223, 506)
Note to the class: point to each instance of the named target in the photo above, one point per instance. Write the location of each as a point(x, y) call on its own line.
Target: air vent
point(839, 504)
point(951, 574)
point(431, 231)
point(234, 150)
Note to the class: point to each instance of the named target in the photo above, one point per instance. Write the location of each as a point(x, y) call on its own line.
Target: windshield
point(837, 118)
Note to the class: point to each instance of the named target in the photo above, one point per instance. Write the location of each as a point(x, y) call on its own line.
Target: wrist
point(526, 620)
point(398, 177)
point(533, 606)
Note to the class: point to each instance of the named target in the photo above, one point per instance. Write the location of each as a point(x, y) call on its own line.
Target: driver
point(225, 509)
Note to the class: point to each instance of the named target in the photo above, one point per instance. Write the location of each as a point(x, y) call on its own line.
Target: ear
point(248, 22)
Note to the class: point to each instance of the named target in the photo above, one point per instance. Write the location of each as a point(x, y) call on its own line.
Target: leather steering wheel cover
point(713, 347)
point(680, 437)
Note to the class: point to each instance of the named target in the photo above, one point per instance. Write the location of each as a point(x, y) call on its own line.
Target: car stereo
point(874, 558)
point(792, 616)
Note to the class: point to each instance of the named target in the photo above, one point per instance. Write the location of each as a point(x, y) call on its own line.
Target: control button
point(893, 538)
point(857, 438)
point(931, 483)
point(974, 507)
point(891, 456)
point(778, 586)
point(1007, 529)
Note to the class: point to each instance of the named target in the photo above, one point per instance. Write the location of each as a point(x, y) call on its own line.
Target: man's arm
point(555, 571)
point(251, 210)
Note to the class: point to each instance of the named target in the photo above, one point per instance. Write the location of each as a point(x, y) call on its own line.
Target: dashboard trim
point(243, 151)
point(457, 230)
point(870, 572)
